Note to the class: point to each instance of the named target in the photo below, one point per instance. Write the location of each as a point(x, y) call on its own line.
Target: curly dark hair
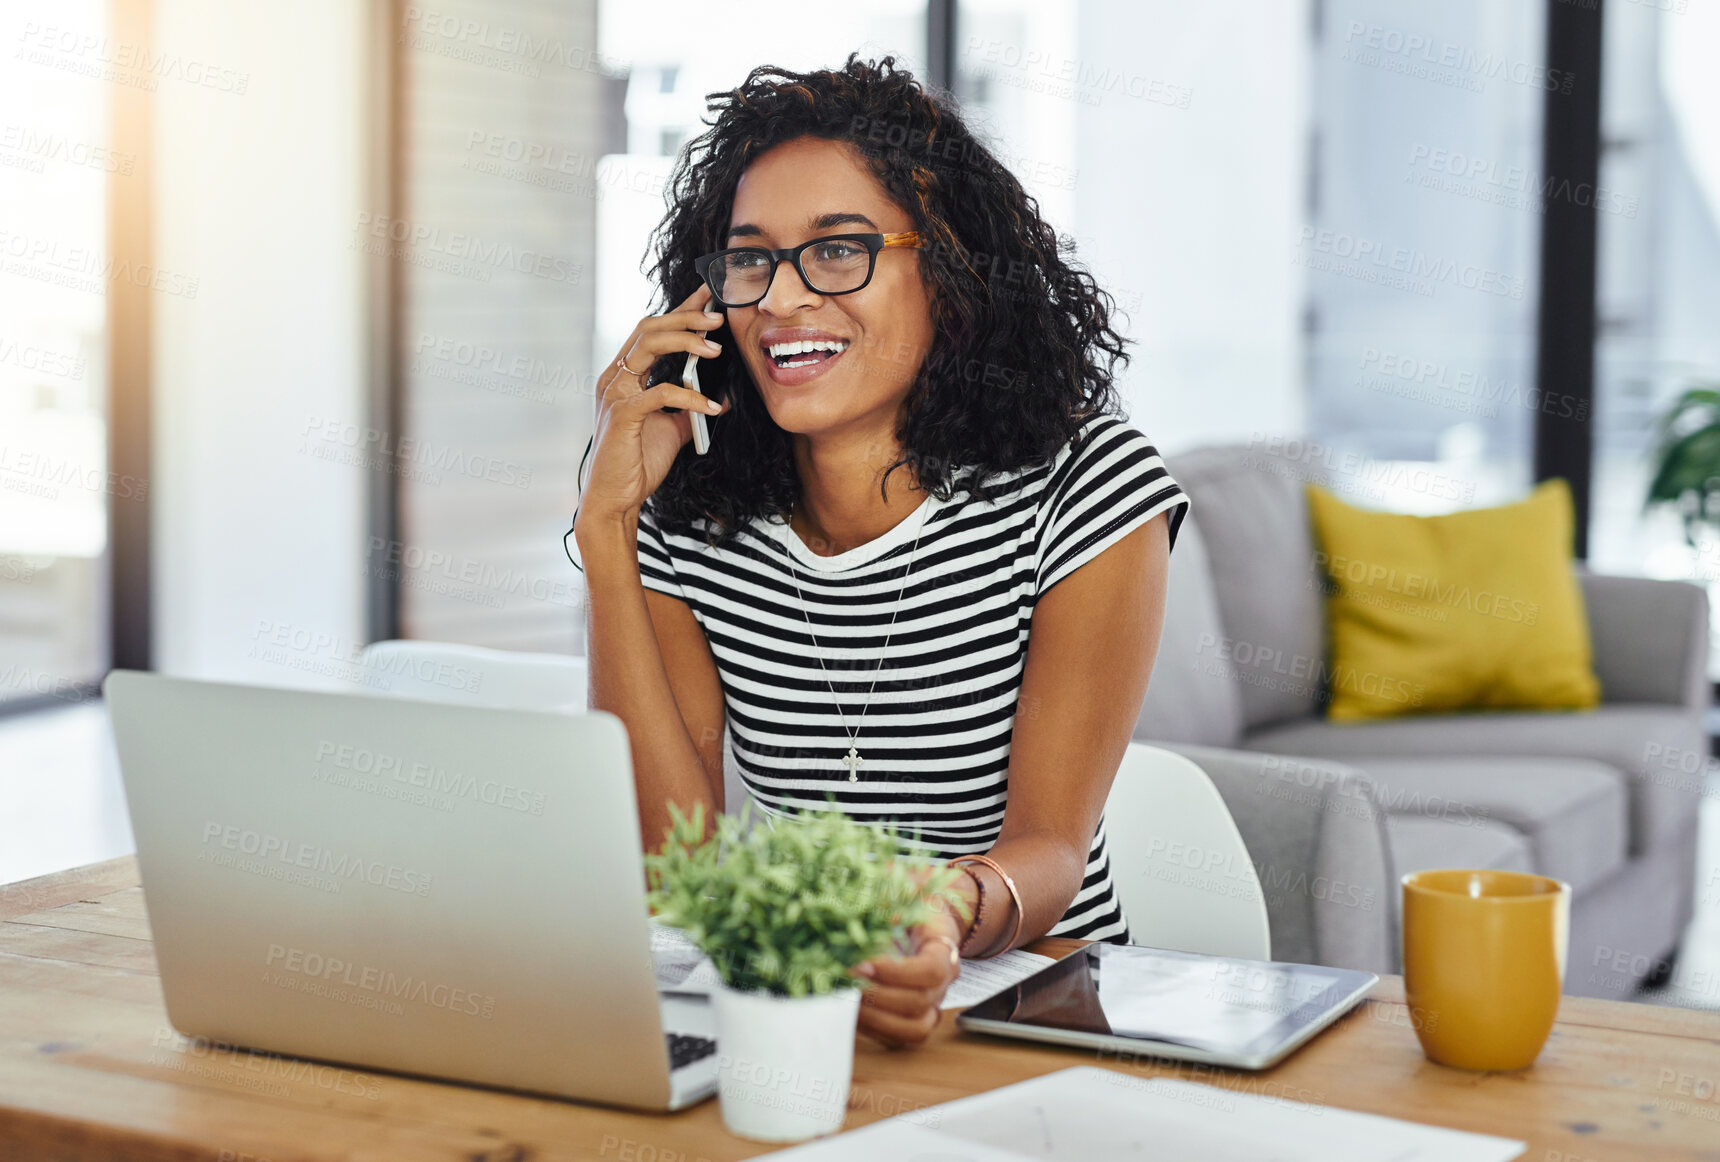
point(1024, 350)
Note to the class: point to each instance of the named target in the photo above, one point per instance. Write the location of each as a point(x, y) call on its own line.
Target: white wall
point(258, 194)
point(1190, 215)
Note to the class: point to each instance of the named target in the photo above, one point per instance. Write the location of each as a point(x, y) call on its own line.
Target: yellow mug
point(1484, 964)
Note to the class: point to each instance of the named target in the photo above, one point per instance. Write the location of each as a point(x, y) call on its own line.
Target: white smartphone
point(690, 378)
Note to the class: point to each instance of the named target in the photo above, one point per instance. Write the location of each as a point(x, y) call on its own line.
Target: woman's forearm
point(627, 678)
point(1047, 873)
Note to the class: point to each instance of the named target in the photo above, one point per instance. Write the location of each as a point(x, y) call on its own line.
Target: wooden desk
point(90, 1069)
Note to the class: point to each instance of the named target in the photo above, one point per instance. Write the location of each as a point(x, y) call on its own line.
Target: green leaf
point(1687, 459)
point(791, 905)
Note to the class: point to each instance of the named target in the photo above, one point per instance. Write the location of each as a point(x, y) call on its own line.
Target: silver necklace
point(852, 760)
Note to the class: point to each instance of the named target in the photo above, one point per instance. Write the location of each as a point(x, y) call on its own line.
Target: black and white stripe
point(935, 736)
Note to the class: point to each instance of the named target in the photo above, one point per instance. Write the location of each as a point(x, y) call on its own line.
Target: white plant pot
point(784, 1063)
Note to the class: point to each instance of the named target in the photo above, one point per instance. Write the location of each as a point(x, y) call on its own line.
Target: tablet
point(1150, 1002)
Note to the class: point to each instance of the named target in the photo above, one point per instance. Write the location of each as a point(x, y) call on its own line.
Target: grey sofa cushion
point(1419, 843)
point(1319, 848)
point(1255, 520)
point(1647, 743)
point(1650, 639)
point(1190, 699)
point(1626, 927)
point(1572, 812)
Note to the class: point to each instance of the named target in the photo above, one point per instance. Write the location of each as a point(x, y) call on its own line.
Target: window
point(1658, 215)
point(1165, 141)
point(55, 488)
point(1421, 247)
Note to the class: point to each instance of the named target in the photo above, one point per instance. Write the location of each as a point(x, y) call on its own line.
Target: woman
point(922, 566)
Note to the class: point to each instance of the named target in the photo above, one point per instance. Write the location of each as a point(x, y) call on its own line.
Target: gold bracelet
point(1014, 895)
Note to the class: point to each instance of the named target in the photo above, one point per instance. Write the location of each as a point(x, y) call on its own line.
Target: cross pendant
point(852, 762)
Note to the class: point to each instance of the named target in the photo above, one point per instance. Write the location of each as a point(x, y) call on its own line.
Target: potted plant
point(1687, 461)
point(784, 912)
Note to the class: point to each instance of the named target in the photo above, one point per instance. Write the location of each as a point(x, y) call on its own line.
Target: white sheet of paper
point(682, 968)
point(979, 979)
point(1200, 1002)
point(1087, 1112)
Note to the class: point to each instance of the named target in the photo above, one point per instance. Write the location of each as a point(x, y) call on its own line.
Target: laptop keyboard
point(685, 1049)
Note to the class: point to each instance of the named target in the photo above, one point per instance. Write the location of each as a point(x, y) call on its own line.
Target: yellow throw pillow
point(1476, 610)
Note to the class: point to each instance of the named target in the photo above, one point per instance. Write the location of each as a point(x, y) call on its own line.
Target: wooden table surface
point(90, 1069)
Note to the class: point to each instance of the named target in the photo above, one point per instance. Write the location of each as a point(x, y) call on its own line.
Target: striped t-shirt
point(934, 740)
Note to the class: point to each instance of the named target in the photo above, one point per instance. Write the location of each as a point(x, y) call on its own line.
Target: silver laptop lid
point(445, 890)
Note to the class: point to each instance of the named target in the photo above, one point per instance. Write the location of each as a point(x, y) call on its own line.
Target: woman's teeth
point(825, 349)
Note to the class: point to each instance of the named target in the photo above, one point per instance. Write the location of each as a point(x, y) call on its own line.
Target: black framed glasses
point(837, 264)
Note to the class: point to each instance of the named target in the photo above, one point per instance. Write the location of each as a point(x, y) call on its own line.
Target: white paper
point(1204, 1002)
point(980, 979)
point(683, 968)
point(1086, 1112)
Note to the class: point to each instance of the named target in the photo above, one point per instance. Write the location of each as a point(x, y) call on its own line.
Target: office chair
point(1180, 868)
point(480, 676)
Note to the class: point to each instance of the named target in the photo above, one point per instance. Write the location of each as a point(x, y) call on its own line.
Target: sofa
point(1335, 813)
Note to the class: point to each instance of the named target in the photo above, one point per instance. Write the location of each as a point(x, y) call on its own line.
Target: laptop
point(442, 890)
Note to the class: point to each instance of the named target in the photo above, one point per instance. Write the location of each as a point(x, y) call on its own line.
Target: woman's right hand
point(636, 440)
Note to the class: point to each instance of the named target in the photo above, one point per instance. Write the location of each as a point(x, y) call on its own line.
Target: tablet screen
point(1232, 1007)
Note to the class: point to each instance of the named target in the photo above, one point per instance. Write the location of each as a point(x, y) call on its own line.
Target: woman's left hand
point(900, 1006)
